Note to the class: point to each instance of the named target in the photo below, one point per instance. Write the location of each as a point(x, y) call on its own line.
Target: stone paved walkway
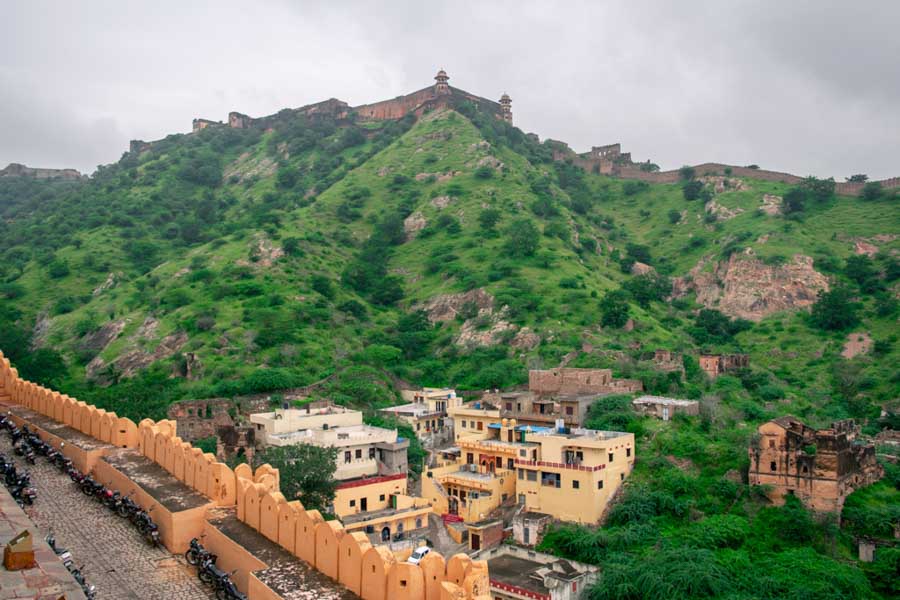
point(115, 558)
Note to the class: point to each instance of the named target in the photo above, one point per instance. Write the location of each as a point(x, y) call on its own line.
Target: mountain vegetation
point(451, 250)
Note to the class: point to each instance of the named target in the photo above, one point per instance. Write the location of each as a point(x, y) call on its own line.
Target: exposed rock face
point(263, 252)
point(525, 340)
point(721, 184)
point(134, 360)
point(438, 176)
point(639, 268)
point(489, 161)
point(247, 166)
point(96, 341)
point(41, 330)
point(745, 287)
point(723, 213)
point(111, 281)
point(771, 205)
point(442, 202)
point(471, 336)
point(413, 224)
point(856, 344)
point(445, 307)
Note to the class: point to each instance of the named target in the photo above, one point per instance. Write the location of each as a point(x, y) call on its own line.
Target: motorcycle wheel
point(204, 576)
point(223, 594)
point(122, 511)
point(191, 557)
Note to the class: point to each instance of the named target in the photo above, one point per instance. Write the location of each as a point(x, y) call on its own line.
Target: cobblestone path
point(116, 559)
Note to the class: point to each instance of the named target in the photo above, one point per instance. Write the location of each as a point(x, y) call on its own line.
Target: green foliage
point(820, 190)
point(712, 327)
point(208, 444)
point(648, 288)
point(691, 189)
point(872, 191)
point(835, 310)
point(794, 201)
point(522, 238)
point(614, 309)
point(306, 473)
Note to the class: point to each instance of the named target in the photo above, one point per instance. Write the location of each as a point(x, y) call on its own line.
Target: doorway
point(476, 542)
point(364, 504)
point(386, 534)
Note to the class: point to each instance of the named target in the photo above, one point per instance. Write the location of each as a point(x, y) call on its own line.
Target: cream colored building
point(426, 411)
point(569, 474)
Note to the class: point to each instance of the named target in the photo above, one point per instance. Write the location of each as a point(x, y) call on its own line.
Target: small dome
point(505, 98)
point(442, 74)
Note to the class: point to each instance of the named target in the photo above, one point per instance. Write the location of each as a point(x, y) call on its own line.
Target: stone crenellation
point(202, 497)
point(19, 170)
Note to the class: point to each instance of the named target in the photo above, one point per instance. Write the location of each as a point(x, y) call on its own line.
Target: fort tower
point(441, 87)
point(506, 108)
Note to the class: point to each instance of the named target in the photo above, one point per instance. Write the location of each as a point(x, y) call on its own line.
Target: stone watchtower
point(441, 88)
point(506, 108)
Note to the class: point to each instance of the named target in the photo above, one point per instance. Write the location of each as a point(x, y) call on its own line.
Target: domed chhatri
point(506, 107)
point(442, 87)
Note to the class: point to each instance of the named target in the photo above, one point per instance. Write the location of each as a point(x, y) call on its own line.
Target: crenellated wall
point(372, 572)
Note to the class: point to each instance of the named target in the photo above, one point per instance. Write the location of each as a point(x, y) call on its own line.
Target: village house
point(720, 364)
point(665, 408)
point(426, 412)
point(371, 466)
point(525, 574)
point(821, 467)
point(564, 472)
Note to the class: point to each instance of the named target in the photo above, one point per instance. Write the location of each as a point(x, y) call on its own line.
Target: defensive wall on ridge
point(276, 546)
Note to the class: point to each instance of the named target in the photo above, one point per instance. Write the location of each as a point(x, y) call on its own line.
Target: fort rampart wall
point(371, 572)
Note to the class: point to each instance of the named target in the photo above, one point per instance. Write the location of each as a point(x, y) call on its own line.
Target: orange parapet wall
point(371, 572)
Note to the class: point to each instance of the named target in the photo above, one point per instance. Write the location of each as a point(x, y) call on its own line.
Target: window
point(480, 426)
point(570, 410)
point(418, 426)
point(771, 443)
point(381, 498)
point(600, 485)
point(575, 484)
point(531, 475)
point(509, 406)
point(627, 452)
point(521, 473)
point(371, 453)
point(621, 476)
point(611, 457)
point(347, 456)
point(519, 406)
point(353, 503)
point(358, 453)
point(463, 423)
point(471, 424)
point(418, 522)
point(523, 453)
point(773, 466)
point(550, 479)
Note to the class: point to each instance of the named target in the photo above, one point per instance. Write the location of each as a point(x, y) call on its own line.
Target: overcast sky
point(809, 87)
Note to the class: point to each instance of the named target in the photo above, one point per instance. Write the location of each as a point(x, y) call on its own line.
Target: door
point(527, 537)
point(476, 542)
point(364, 504)
point(386, 534)
point(454, 506)
point(665, 413)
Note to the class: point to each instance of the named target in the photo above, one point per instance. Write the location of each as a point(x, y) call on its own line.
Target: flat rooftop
point(516, 571)
point(162, 486)
point(414, 409)
point(60, 430)
point(285, 574)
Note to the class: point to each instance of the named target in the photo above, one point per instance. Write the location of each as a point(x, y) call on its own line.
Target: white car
point(418, 554)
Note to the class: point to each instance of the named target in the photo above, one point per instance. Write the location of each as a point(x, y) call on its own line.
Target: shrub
point(522, 238)
point(484, 172)
point(614, 309)
point(691, 189)
point(835, 310)
point(58, 269)
point(631, 188)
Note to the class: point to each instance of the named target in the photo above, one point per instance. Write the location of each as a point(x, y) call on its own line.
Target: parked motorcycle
point(208, 572)
point(197, 554)
point(226, 590)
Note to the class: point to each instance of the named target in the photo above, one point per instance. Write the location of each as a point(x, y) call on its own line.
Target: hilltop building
point(567, 473)
point(720, 364)
point(821, 467)
point(19, 170)
point(371, 466)
point(556, 394)
point(426, 412)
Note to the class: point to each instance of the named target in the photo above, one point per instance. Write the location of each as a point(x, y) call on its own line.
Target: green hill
point(452, 250)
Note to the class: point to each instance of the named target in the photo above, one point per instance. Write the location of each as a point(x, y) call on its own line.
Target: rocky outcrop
point(441, 202)
point(639, 268)
point(771, 205)
point(96, 341)
point(525, 340)
point(720, 184)
point(446, 307)
point(132, 361)
point(111, 281)
point(247, 166)
point(473, 334)
point(856, 344)
point(413, 224)
point(743, 286)
point(437, 176)
point(722, 213)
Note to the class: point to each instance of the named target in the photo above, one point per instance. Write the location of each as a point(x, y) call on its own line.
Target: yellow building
point(426, 411)
point(569, 474)
point(380, 508)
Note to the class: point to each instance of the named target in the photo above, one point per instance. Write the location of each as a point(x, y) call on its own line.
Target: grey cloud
point(802, 86)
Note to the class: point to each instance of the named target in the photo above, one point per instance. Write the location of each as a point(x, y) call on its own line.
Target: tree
point(307, 473)
point(835, 310)
point(794, 201)
point(614, 309)
point(872, 191)
point(523, 238)
point(713, 327)
point(819, 190)
point(488, 218)
point(649, 287)
point(686, 173)
point(861, 269)
point(674, 216)
point(691, 189)
point(858, 178)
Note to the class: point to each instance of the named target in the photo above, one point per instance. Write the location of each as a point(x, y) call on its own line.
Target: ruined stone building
point(18, 170)
point(821, 467)
point(605, 160)
point(439, 95)
point(718, 364)
point(665, 408)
